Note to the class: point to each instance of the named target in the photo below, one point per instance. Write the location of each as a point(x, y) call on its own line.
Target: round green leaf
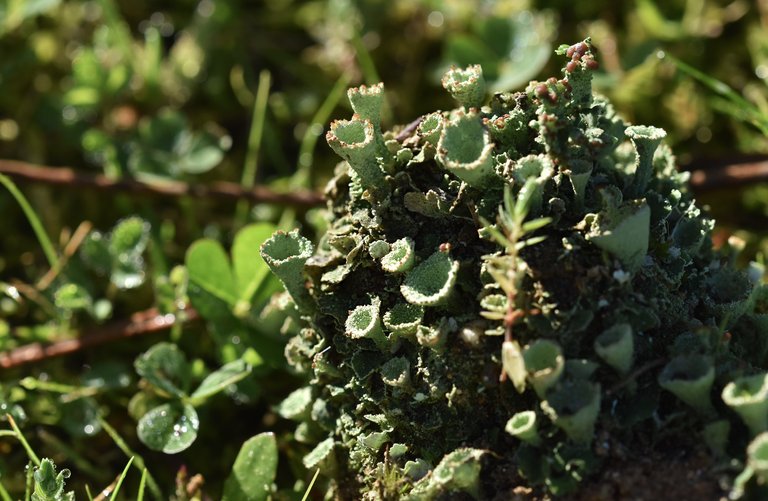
point(209, 268)
point(219, 380)
point(169, 428)
point(254, 470)
point(165, 367)
point(198, 153)
point(250, 268)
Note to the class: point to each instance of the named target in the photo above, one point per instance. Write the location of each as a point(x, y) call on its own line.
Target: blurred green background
point(204, 91)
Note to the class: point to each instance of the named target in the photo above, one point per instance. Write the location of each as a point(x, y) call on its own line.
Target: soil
point(653, 477)
point(656, 478)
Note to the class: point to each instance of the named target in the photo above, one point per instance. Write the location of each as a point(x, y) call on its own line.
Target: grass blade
point(32, 456)
point(744, 110)
point(113, 497)
point(251, 166)
point(34, 221)
point(311, 484)
point(142, 484)
point(30, 481)
point(4, 495)
point(138, 461)
point(303, 176)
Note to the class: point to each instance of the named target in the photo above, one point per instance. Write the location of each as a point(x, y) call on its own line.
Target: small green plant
point(172, 426)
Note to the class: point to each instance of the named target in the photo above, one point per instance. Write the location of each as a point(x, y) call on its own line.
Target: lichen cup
point(431, 282)
point(645, 139)
point(466, 85)
point(404, 319)
point(616, 347)
point(574, 407)
point(364, 322)
point(465, 148)
point(400, 257)
point(544, 363)
point(355, 141)
point(690, 378)
point(286, 254)
point(524, 426)
point(748, 397)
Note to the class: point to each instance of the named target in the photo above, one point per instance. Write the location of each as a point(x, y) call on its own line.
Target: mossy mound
point(555, 263)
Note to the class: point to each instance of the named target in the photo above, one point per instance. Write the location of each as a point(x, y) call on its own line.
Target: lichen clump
point(499, 285)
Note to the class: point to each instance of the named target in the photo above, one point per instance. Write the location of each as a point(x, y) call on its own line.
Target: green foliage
point(118, 254)
point(166, 147)
point(254, 470)
point(172, 427)
point(49, 485)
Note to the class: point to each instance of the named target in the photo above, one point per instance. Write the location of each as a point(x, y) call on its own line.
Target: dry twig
point(140, 323)
point(65, 176)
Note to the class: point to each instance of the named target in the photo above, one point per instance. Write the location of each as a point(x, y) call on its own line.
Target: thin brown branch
point(634, 375)
point(140, 323)
point(65, 176)
point(70, 248)
point(715, 174)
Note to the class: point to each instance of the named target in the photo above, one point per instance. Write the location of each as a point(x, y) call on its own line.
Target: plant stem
point(34, 221)
point(32, 456)
point(311, 484)
point(138, 461)
point(303, 176)
point(251, 167)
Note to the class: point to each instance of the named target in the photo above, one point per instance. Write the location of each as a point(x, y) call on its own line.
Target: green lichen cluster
point(499, 285)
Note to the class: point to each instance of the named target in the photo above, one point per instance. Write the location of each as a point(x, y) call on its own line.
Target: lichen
point(533, 265)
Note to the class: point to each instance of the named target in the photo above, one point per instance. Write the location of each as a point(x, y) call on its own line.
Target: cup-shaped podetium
point(378, 249)
point(396, 372)
point(366, 102)
point(355, 141)
point(748, 396)
point(616, 347)
point(574, 407)
point(689, 378)
point(286, 254)
point(579, 172)
point(458, 470)
point(363, 322)
point(646, 140)
point(544, 363)
point(524, 426)
point(466, 150)
point(404, 319)
point(430, 127)
point(431, 337)
point(757, 456)
point(400, 257)
point(431, 282)
point(624, 232)
point(466, 85)
point(538, 167)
